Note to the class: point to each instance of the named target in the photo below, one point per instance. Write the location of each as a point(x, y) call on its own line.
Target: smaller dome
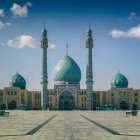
point(119, 81)
point(17, 81)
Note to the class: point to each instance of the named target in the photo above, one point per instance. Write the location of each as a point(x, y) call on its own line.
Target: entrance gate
point(12, 105)
point(123, 105)
point(66, 101)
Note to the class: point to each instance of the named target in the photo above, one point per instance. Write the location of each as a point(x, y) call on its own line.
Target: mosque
point(67, 94)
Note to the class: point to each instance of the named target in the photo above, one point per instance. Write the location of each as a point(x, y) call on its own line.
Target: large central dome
point(67, 71)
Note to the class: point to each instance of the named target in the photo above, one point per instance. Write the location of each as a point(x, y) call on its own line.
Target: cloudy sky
point(116, 34)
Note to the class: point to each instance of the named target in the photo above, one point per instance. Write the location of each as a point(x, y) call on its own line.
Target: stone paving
point(69, 125)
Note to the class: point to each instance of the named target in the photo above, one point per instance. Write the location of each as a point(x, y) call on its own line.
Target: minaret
point(89, 73)
point(44, 94)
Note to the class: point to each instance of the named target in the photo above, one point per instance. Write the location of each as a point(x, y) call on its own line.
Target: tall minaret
point(44, 94)
point(89, 73)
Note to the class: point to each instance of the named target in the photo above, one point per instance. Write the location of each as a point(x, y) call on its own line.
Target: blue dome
point(67, 71)
point(119, 81)
point(17, 81)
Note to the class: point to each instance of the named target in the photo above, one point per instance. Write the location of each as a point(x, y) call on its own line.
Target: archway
point(12, 105)
point(123, 105)
point(66, 101)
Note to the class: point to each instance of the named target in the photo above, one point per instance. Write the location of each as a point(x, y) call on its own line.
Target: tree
point(2, 107)
point(134, 109)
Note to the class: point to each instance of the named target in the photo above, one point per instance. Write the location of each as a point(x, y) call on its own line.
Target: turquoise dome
point(17, 81)
point(67, 71)
point(119, 81)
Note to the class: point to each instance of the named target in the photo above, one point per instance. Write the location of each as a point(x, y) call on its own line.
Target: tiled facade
point(121, 98)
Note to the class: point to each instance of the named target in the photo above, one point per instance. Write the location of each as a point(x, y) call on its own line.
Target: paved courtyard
point(69, 125)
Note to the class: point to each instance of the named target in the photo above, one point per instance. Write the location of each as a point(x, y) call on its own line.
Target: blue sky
point(116, 35)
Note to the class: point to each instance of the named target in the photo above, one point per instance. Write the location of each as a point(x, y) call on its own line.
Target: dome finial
point(89, 31)
point(89, 26)
point(44, 25)
point(44, 33)
point(66, 48)
point(17, 70)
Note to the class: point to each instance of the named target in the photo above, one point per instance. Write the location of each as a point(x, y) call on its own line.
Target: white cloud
point(51, 46)
point(25, 41)
point(12, 43)
point(29, 4)
point(133, 15)
point(2, 14)
point(3, 25)
point(131, 33)
point(19, 11)
point(8, 24)
point(117, 33)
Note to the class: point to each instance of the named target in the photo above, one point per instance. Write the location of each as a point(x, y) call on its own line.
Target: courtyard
point(69, 125)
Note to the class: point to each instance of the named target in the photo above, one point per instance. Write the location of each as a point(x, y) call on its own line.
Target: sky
point(116, 34)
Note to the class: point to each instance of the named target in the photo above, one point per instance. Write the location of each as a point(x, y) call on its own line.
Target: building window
point(85, 98)
point(136, 94)
point(112, 100)
point(11, 92)
point(136, 99)
point(85, 92)
point(124, 94)
point(22, 99)
point(35, 97)
point(112, 94)
point(38, 96)
point(1, 94)
point(82, 98)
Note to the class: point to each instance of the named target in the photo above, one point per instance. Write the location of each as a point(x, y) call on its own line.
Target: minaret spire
point(89, 71)
point(89, 26)
point(44, 94)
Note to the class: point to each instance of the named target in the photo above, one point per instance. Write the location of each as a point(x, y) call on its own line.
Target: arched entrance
point(123, 105)
point(66, 101)
point(12, 105)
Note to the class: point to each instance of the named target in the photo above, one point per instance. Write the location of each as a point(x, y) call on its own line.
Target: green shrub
point(2, 107)
point(134, 106)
